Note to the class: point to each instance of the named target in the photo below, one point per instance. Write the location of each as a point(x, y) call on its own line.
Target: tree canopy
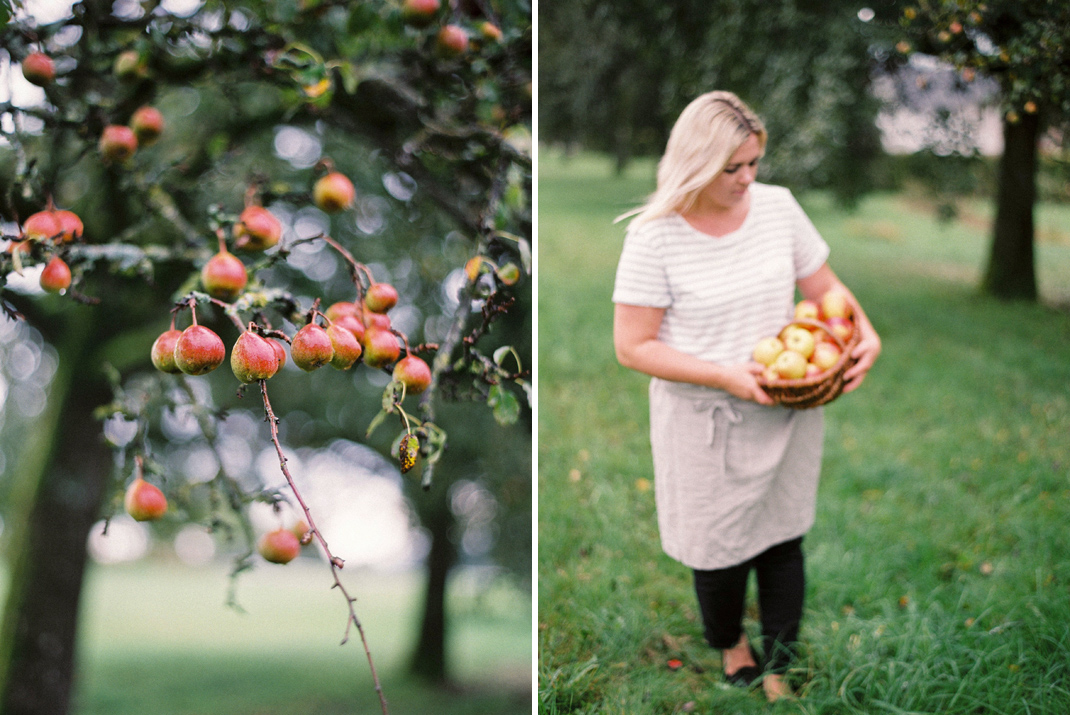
point(614, 77)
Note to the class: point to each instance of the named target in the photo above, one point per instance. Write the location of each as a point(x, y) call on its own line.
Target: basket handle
point(819, 324)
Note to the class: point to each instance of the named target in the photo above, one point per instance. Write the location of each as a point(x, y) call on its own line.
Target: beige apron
point(731, 477)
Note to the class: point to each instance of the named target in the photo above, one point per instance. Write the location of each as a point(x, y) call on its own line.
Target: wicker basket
point(807, 392)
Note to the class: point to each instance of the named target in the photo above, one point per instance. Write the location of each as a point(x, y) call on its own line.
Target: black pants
point(781, 583)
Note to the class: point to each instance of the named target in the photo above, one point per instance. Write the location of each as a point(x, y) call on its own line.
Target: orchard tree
point(615, 76)
point(215, 208)
point(1025, 46)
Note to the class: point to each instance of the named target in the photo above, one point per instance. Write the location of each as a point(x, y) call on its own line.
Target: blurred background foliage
point(831, 80)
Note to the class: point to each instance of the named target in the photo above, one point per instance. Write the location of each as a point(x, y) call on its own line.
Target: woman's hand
point(742, 382)
point(866, 352)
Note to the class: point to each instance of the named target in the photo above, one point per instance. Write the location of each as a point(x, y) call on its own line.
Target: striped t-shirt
point(722, 294)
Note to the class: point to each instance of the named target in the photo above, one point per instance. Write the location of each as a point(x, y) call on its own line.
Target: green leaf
point(504, 404)
point(376, 421)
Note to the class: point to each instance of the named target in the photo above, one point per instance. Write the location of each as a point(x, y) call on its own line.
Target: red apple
point(333, 193)
point(825, 355)
point(840, 327)
point(56, 277)
point(451, 41)
point(117, 143)
point(257, 229)
point(147, 124)
point(224, 276)
point(38, 68)
point(144, 501)
point(279, 546)
point(419, 12)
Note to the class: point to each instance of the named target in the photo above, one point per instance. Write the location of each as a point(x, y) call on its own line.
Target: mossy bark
point(62, 474)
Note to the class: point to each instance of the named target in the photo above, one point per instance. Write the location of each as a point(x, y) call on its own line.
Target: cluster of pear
point(118, 142)
point(353, 332)
point(812, 344)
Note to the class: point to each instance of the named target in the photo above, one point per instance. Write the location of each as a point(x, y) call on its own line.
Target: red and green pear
point(199, 350)
point(311, 348)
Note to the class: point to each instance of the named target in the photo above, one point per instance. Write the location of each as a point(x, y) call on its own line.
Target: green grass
point(937, 575)
point(159, 638)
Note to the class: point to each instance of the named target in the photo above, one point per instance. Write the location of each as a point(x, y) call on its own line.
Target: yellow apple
point(807, 309)
point(798, 339)
point(766, 350)
point(790, 365)
point(834, 304)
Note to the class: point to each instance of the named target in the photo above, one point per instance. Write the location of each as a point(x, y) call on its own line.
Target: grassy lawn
point(937, 575)
point(158, 638)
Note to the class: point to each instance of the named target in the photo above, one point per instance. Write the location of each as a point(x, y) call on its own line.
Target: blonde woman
point(710, 265)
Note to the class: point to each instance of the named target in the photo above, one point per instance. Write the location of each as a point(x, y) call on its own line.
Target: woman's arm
point(635, 338)
point(869, 345)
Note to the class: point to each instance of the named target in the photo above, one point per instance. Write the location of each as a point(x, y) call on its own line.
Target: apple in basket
point(834, 304)
point(789, 365)
point(766, 350)
point(840, 327)
point(825, 355)
point(807, 309)
point(798, 339)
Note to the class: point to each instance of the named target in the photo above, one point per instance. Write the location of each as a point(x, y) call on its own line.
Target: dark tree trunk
point(56, 503)
point(1011, 273)
point(429, 657)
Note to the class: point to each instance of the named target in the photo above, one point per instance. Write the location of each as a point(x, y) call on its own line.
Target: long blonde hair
point(706, 135)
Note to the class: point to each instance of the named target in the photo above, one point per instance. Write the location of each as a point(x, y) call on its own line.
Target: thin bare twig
point(335, 562)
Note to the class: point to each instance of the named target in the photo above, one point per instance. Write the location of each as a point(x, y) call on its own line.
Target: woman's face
point(730, 187)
